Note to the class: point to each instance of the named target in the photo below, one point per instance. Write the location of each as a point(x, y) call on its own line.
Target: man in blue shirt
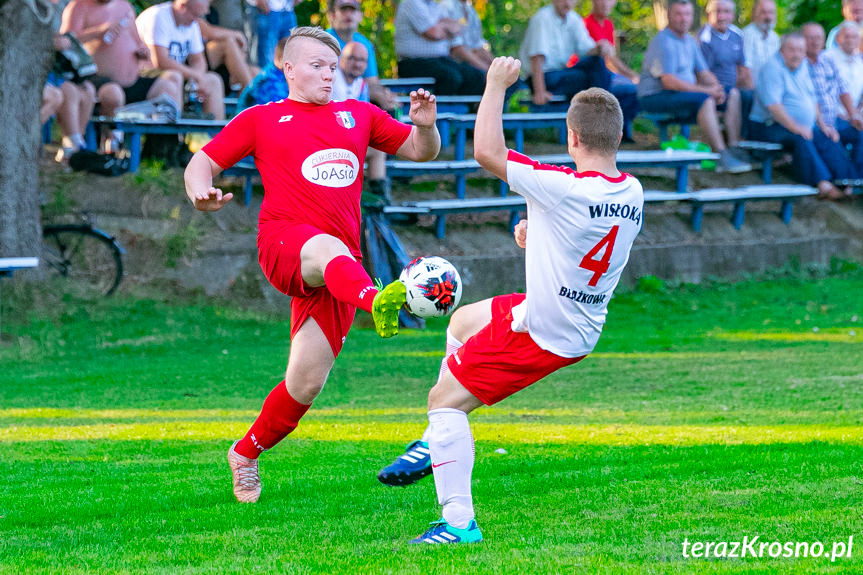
point(722, 46)
point(786, 111)
point(675, 80)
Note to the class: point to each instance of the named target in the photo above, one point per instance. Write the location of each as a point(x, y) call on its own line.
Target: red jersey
point(310, 158)
point(597, 31)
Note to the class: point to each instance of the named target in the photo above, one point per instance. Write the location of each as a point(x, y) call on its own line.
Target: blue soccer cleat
point(443, 532)
point(410, 467)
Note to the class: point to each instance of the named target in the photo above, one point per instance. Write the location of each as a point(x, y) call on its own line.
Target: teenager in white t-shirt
point(171, 32)
point(582, 226)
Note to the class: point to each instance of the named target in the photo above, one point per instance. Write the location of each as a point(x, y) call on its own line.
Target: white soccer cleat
point(247, 482)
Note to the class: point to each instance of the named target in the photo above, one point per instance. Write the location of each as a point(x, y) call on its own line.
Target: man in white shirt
point(582, 226)
point(852, 11)
point(555, 33)
point(849, 62)
point(348, 82)
point(760, 40)
point(469, 45)
point(171, 32)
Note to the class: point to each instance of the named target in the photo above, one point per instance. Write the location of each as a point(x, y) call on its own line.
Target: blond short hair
point(596, 118)
point(315, 33)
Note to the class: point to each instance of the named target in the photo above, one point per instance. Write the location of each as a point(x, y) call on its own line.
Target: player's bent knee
point(467, 320)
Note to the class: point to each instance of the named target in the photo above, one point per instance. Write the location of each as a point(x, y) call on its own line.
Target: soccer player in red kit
point(309, 151)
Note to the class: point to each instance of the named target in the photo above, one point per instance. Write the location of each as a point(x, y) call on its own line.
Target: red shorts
point(497, 362)
point(279, 246)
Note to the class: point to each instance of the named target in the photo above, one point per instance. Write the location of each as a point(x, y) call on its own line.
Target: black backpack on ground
point(96, 163)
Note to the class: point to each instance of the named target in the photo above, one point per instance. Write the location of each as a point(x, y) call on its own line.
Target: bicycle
point(89, 260)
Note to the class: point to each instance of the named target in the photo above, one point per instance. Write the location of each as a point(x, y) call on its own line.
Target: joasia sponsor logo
point(335, 168)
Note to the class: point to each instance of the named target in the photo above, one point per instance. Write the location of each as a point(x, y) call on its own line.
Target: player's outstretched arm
point(489, 145)
point(199, 183)
point(423, 143)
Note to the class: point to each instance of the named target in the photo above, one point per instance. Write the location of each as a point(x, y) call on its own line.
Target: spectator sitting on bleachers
point(345, 17)
point(171, 32)
point(107, 30)
point(722, 45)
point(52, 99)
point(273, 20)
point(760, 41)
point(849, 62)
point(423, 37)
point(623, 78)
point(78, 97)
point(554, 33)
point(268, 86)
point(675, 80)
point(852, 11)
point(348, 82)
point(839, 112)
point(786, 112)
point(227, 53)
point(469, 45)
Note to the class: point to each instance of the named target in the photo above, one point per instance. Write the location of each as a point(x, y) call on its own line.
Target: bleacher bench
point(786, 194)
point(401, 85)
point(679, 160)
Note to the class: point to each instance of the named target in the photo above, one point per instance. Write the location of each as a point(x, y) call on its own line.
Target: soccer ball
point(432, 287)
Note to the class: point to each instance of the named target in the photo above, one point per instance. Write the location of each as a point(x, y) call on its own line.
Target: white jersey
point(156, 26)
point(581, 227)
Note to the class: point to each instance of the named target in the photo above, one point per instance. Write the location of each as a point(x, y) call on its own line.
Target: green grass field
point(706, 413)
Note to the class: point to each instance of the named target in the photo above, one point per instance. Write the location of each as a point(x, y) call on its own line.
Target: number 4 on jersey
point(600, 266)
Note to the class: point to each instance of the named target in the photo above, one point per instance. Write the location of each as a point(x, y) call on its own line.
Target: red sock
point(280, 415)
point(348, 281)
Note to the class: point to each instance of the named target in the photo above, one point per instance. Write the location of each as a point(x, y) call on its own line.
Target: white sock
point(452, 345)
point(452, 454)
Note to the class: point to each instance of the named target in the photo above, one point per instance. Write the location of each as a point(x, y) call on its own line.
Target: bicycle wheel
point(89, 262)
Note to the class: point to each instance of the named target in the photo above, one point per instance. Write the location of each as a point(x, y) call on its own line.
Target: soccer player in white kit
point(582, 226)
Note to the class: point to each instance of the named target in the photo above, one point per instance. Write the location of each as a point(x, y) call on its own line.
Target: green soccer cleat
point(385, 309)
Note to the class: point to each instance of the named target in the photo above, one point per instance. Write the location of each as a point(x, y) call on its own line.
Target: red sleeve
point(235, 141)
point(387, 134)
